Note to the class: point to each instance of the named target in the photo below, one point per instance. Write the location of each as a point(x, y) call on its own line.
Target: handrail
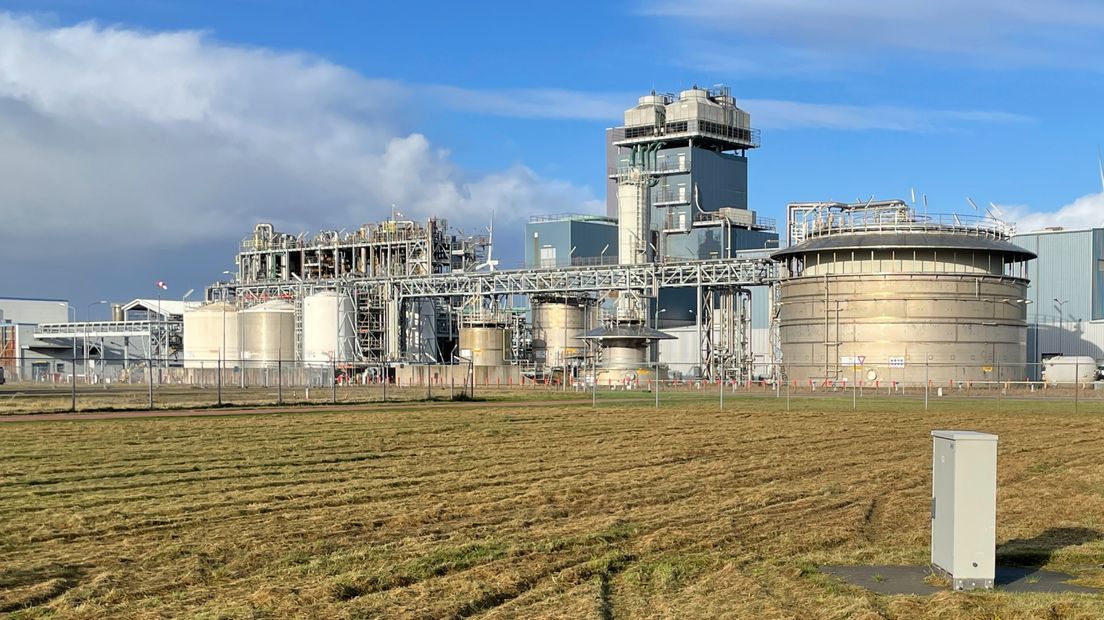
point(833, 223)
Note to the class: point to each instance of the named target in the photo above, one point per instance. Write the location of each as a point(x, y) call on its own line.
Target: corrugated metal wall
point(1068, 267)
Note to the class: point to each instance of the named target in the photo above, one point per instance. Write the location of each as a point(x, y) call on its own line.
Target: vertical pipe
point(333, 380)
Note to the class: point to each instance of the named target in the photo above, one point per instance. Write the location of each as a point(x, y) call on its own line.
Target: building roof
point(167, 306)
point(898, 240)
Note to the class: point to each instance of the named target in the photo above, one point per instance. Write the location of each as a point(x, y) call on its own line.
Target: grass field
point(558, 511)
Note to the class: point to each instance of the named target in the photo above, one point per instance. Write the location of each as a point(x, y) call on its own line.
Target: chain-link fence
point(90, 384)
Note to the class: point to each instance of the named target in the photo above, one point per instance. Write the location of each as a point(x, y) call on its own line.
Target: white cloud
point(776, 114)
point(828, 35)
point(116, 140)
point(535, 102)
point(1085, 212)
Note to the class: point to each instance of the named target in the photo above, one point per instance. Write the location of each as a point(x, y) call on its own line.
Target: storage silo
point(329, 328)
point(488, 341)
point(558, 327)
point(211, 334)
point(878, 293)
point(268, 333)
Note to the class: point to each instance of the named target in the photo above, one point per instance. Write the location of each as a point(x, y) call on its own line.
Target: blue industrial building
point(1066, 316)
point(562, 240)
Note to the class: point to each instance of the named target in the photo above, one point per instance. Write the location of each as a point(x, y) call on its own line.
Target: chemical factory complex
point(678, 280)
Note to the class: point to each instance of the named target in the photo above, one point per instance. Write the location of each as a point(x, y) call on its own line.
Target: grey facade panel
point(558, 237)
point(721, 179)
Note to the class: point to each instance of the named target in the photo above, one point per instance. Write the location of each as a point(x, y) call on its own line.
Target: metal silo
point(329, 328)
point(211, 334)
point(558, 327)
point(268, 333)
point(879, 293)
point(487, 340)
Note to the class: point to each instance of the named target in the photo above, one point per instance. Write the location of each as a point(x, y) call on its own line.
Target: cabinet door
point(942, 506)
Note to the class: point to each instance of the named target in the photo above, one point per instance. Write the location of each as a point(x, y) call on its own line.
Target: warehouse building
point(1066, 316)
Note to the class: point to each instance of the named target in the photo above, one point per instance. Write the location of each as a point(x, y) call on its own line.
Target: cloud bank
point(114, 139)
point(810, 36)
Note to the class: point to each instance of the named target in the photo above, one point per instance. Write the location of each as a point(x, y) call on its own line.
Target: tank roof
point(626, 332)
point(930, 239)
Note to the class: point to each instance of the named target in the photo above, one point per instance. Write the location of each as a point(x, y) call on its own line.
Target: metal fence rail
point(92, 384)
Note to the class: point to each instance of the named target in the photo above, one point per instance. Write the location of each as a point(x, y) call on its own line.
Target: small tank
point(1070, 369)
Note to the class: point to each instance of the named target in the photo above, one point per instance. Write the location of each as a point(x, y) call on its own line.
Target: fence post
point(657, 384)
point(220, 382)
point(1076, 383)
point(999, 387)
point(787, 392)
point(73, 379)
point(722, 384)
point(279, 381)
point(385, 382)
point(149, 381)
point(927, 382)
point(333, 380)
point(854, 385)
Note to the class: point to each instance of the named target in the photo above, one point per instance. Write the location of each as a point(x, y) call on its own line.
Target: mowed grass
point(505, 512)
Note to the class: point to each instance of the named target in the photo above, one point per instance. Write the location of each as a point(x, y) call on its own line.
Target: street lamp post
point(1061, 303)
point(84, 341)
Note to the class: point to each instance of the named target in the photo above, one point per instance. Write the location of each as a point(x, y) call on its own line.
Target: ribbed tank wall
point(328, 328)
point(489, 346)
point(962, 326)
point(629, 354)
point(211, 334)
point(268, 333)
point(557, 328)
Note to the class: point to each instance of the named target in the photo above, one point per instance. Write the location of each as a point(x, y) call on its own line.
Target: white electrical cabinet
point(964, 507)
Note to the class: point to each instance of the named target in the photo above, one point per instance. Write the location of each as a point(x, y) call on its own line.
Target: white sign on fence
point(855, 361)
point(897, 362)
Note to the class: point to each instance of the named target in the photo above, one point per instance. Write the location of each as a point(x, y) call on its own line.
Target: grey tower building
point(696, 145)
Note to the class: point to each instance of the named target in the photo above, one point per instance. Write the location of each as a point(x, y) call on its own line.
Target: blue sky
point(141, 140)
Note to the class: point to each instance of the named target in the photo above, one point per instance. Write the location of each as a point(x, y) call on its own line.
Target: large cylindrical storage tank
point(489, 344)
point(210, 335)
point(329, 328)
point(557, 330)
point(268, 333)
point(898, 298)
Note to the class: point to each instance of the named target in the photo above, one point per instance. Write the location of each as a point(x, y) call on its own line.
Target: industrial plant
point(679, 279)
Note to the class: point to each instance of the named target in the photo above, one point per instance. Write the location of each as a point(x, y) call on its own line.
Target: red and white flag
point(161, 285)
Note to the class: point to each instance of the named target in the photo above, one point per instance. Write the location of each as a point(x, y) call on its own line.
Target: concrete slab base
point(911, 579)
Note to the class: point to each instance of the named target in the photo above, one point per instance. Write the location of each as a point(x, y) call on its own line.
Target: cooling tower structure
point(878, 293)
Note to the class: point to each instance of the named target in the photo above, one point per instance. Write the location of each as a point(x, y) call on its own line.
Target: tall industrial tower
point(696, 152)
